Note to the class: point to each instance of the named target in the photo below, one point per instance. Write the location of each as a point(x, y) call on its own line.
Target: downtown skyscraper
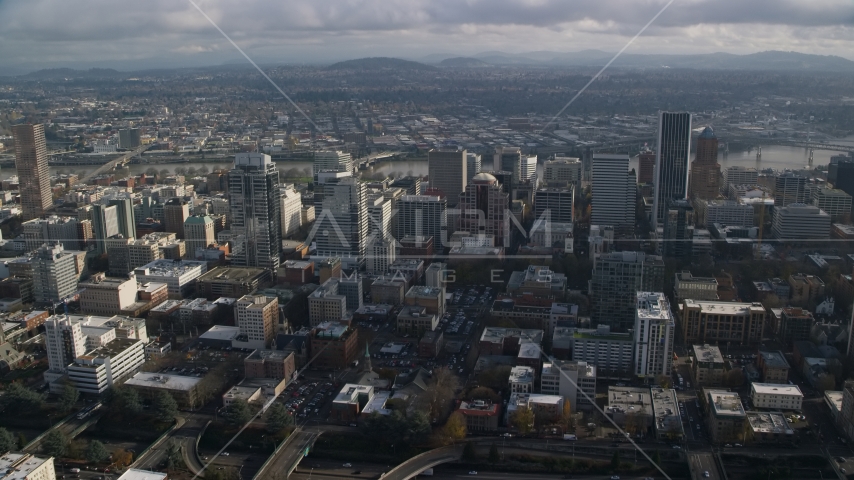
point(341, 228)
point(255, 203)
point(705, 170)
point(33, 172)
point(671, 161)
point(448, 172)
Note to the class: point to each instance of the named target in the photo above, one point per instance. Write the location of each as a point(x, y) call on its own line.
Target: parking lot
point(308, 398)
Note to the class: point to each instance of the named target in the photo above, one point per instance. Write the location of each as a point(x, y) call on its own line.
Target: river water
point(773, 156)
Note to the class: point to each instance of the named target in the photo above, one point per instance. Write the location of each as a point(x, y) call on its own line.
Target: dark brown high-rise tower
point(33, 173)
point(705, 169)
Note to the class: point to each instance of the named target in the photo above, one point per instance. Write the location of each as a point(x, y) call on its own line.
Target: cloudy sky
point(150, 33)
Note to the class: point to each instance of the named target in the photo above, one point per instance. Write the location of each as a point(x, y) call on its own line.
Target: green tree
point(494, 457)
point(238, 412)
point(68, 398)
point(417, 427)
point(615, 460)
point(22, 441)
point(123, 399)
point(656, 457)
point(19, 399)
point(96, 452)
point(165, 407)
point(522, 420)
point(174, 459)
point(469, 455)
point(278, 418)
point(55, 443)
point(7, 440)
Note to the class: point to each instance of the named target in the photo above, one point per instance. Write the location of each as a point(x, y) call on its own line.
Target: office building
point(63, 230)
point(646, 167)
point(509, 159)
point(416, 320)
point(25, 466)
point(773, 366)
point(666, 417)
point(695, 288)
point(726, 417)
point(554, 205)
point(611, 353)
point(521, 379)
point(678, 223)
point(448, 172)
point(653, 331)
point(129, 138)
point(739, 175)
point(795, 325)
point(231, 282)
point(789, 188)
point(705, 169)
point(64, 341)
point(410, 185)
point(198, 233)
point(422, 216)
point(291, 210)
point(107, 296)
point(379, 216)
point(708, 368)
point(106, 366)
point(635, 403)
point(55, 274)
point(617, 277)
point(327, 303)
point(776, 396)
point(179, 276)
point(33, 173)
point(105, 224)
point(483, 207)
point(257, 317)
point(334, 346)
point(381, 254)
point(343, 224)
point(175, 213)
point(537, 280)
point(125, 216)
point(529, 168)
point(714, 322)
point(725, 212)
point(480, 415)
point(834, 202)
point(255, 203)
point(673, 150)
point(333, 160)
point(575, 381)
point(432, 298)
point(473, 164)
point(562, 172)
point(613, 189)
point(769, 428)
point(798, 221)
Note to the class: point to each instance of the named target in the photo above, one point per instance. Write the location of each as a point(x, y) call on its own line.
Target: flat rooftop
point(221, 332)
point(136, 474)
point(708, 353)
point(234, 274)
point(774, 359)
point(664, 402)
point(269, 355)
point(629, 400)
point(109, 350)
point(424, 292)
point(773, 422)
point(18, 466)
point(521, 374)
point(170, 268)
point(725, 404)
point(653, 305)
point(164, 381)
point(725, 308)
point(775, 389)
point(331, 330)
point(498, 334)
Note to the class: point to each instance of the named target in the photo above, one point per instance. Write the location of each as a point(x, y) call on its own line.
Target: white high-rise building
point(422, 216)
point(64, 341)
point(332, 160)
point(739, 175)
point(613, 191)
point(379, 216)
point(54, 274)
point(25, 466)
point(257, 316)
point(448, 171)
point(254, 199)
point(800, 222)
point(341, 229)
point(529, 168)
point(654, 331)
point(291, 210)
point(105, 224)
point(474, 165)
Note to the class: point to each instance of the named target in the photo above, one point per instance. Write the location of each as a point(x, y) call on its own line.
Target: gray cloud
point(94, 32)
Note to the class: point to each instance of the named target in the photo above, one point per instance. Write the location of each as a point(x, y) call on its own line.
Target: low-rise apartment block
point(708, 368)
point(776, 396)
point(773, 366)
point(715, 322)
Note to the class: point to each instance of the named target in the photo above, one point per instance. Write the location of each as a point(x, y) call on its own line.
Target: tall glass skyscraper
point(255, 203)
point(671, 161)
point(33, 173)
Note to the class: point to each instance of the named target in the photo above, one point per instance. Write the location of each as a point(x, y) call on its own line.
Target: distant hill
point(463, 62)
point(378, 63)
point(53, 73)
point(761, 61)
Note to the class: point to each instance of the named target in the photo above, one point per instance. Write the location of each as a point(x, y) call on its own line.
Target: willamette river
point(776, 157)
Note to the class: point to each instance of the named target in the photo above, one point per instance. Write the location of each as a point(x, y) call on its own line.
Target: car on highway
point(473, 472)
point(615, 477)
point(706, 474)
point(347, 465)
